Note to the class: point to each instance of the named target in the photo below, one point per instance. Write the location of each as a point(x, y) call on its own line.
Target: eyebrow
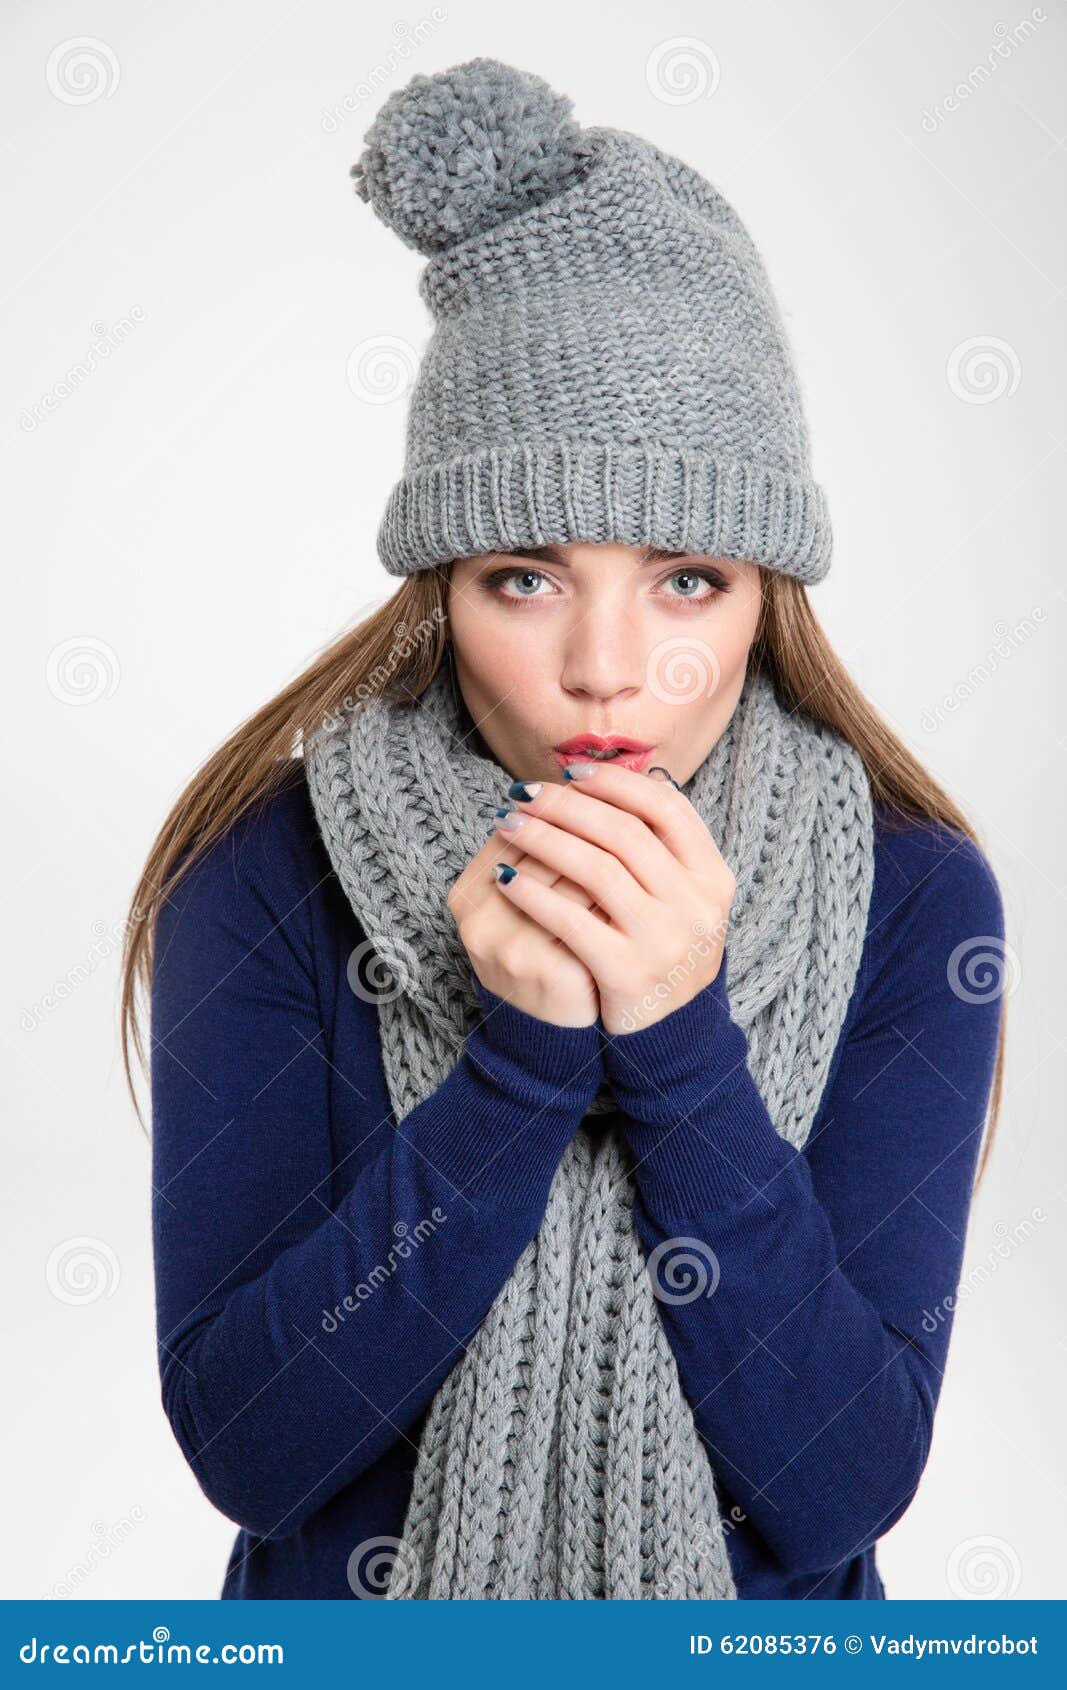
point(552, 554)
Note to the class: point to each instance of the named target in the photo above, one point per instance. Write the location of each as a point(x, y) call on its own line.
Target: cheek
point(491, 657)
point(505, 679)
point(697, 676)
point(692, 667)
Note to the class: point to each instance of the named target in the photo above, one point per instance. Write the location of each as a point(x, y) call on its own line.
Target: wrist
point(543, 1051)
point(685, 1057)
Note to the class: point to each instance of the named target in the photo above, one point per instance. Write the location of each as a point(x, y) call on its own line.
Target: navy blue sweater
point(319, 1271)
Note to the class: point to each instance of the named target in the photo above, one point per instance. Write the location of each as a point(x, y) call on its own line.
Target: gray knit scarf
point(560, 1458)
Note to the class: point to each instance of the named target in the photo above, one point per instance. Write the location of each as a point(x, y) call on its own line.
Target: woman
point(565, 1198)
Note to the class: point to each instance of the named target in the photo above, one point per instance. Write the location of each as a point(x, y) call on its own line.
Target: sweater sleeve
point(308, 1310)
point(808, 1296)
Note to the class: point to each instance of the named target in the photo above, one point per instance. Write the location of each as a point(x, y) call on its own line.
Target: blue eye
point(494, 581)
point(714, 580)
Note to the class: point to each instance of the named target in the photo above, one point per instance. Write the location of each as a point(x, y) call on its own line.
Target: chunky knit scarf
point(560, 1458)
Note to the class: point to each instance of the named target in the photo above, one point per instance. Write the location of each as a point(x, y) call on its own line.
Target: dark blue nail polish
point(504, 810)
point(524, 789)
point(504, 872)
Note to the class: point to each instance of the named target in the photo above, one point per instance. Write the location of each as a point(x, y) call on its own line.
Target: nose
point(603, 655)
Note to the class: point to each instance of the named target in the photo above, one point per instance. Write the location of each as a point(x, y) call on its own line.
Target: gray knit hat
point(607, 360)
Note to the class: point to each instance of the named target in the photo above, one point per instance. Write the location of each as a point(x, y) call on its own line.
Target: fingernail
point(579, 771)
point(660, 773)
point(509, 820)
point(524, 788)
point(504, 872)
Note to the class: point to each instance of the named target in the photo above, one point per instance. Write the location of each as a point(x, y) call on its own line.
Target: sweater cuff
point(515, 1100)
point(693, 1115)
point(568, 1056)
point(693, 1051)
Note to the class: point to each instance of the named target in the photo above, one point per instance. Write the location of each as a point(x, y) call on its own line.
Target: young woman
point(565, 1197)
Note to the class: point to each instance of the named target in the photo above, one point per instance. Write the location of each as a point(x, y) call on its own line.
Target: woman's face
point(559, 641)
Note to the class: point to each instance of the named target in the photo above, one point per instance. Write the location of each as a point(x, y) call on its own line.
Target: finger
point(470, 887)
point(584, 934)
point(646, 852)
point(602, 873)
point(663, 807)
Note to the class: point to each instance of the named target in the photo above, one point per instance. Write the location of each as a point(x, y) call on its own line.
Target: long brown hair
point(399, 647)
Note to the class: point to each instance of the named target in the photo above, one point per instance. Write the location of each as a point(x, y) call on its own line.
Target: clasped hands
point(618, 907)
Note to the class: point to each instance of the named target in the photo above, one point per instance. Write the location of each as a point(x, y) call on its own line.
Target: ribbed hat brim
point(502, 497)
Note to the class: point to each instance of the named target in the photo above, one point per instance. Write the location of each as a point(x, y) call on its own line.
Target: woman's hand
point(515, 956)
point(659, 887)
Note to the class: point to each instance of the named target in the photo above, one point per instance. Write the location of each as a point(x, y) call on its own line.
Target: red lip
point(597, 742)
point(632, 753)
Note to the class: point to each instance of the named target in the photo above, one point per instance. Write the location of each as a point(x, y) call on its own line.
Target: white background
point(195, 515)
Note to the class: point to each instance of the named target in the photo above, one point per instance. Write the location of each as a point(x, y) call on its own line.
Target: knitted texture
point(607, 361)
point(560, 1458)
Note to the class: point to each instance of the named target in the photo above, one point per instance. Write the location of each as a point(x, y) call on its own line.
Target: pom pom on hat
point(452, 155)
